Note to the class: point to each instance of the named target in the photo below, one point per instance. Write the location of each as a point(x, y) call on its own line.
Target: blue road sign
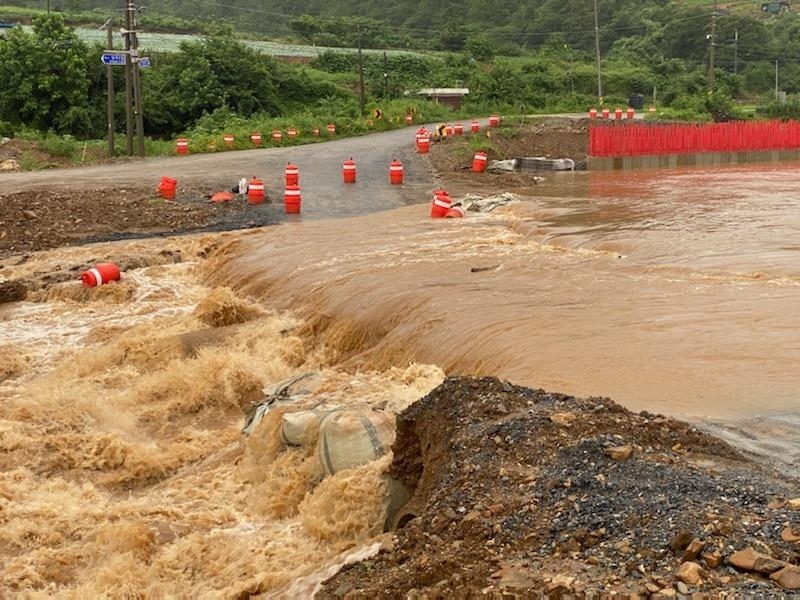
point(113, 58)
point(144, 62)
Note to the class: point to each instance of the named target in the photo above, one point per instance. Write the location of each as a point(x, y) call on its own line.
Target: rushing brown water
point(123, 467)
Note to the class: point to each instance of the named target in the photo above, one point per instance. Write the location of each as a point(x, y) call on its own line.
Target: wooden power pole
point(128, 82)
point(111, 126)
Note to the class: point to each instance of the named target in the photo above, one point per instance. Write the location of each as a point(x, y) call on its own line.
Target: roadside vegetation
point(513, 61)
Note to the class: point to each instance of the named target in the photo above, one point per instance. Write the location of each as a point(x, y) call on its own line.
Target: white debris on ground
point(478, 203)
point(497, 166)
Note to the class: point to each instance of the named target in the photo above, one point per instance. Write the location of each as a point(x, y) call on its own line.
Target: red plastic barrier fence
point(637, 139)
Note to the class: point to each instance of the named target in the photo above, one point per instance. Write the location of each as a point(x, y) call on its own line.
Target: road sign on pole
point(113, 58)
point(144, 61)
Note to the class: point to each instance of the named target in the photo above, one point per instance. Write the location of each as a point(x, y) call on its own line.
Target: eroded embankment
point(522, 491)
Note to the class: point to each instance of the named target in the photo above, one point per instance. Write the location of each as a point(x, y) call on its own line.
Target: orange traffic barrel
point(277, 136)
point(100, 274)
point(479, 162)
point(255, 138)
point(292, 174)
point(331, 128)
point(228, 139)
point(618, 113)
point(396, 172)
point(182, 146)
point(409, 119)
point(593, 113)
point(424, 144)
point(458, 129)
point(475, 126)
point(349, 171)
point(455, 212)
point(255, 191)
point(167, 188)
point(605, 113)
point(494, 121)
point(421, 133)
point(315, 132)
point(291, 132)
point(441, 204)
point(292, 199)
point(630, 112)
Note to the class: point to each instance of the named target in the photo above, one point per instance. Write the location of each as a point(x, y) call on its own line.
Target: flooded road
point(124, 469)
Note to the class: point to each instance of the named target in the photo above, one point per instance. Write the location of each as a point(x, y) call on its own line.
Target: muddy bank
point(519, 492)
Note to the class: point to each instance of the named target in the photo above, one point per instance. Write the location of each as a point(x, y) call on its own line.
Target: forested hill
point(443, 24)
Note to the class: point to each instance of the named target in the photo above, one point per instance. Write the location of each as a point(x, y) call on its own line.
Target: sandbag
point(280, 394)
point(300, 427)
point(350, 438)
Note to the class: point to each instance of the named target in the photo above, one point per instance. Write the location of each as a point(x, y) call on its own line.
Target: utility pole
point(137, 83)
point(597, 55)
point(712, 38)
point(128, 83)
point(385, 76)
point(133, 84)
point(776, 80)
point(361, 100)
point(110, 90)
point(735, 51)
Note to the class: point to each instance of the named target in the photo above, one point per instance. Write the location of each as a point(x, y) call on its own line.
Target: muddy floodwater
point(123, 468)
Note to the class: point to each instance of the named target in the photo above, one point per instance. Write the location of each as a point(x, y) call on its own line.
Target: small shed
point(448, 96)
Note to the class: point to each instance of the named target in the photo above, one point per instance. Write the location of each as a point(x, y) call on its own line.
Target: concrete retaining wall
point(697, 159)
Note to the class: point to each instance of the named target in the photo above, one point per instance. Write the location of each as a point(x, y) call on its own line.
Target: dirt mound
point(521, 493)
point(550, 138)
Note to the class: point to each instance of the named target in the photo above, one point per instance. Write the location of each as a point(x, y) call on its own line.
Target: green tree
point(480, 47)
point(207, 75)
point(45, 78)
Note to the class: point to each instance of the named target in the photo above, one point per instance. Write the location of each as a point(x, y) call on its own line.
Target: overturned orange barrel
point(292, 174)
point(441, 204)
point(167, 188)
point(349, 170)
point(396, 172)
point(479, 162)
point(292, 199)
point(100, 274)
point(255, 191)
point(182, 146)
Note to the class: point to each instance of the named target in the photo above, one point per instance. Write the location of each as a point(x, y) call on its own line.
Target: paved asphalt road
point(320, 164)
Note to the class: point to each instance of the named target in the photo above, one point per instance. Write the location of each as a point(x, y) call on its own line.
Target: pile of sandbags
point(345, 438)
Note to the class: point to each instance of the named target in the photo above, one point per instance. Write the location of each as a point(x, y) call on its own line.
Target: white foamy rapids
point(123, 469)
